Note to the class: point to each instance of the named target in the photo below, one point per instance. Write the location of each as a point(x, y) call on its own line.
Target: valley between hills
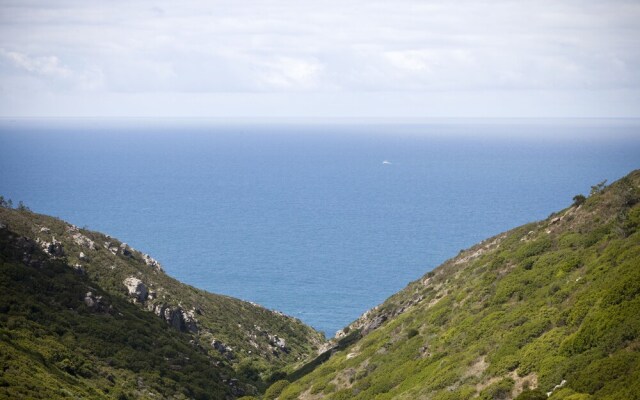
point(550, 309)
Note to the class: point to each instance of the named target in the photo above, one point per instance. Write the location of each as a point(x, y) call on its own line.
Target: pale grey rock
point(374, 324)
point(53, 248)
point(95, 303)
point(90, 300)
point(125, 250)
point(176, 317)
point(278, 342)
point(136, 289)
point(222, 348)
point(151, 262)
point(82, 240)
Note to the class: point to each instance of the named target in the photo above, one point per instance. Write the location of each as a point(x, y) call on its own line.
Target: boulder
point(277, 342)
point(125, 250)
point(136, 289)
point(96, 303)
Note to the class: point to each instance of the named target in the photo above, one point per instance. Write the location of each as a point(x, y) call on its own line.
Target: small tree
point(597, 188)
point(579, 200)
point(22, 206)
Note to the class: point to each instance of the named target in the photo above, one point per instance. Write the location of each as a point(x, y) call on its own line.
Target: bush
point(274, 390)
point(578, 200)
point(535, 394)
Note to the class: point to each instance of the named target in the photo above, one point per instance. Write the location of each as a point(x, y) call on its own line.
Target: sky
point(320, 58)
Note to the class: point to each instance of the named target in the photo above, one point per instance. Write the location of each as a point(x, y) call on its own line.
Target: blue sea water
point(302, 217)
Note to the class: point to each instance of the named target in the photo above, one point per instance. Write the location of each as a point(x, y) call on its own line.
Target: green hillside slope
point(551, 307)
point(84, 314)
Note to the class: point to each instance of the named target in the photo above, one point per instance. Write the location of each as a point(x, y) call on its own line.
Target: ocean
point(320, 220)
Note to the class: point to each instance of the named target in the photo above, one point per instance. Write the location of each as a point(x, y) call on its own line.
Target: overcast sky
point(344, 58)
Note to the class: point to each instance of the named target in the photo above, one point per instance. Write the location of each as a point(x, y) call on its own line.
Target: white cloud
point(46, 66)
point(50, 67)
point(325, 46)
point(290, 73)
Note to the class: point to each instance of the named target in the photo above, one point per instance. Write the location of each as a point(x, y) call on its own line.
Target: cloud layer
point(90, 56)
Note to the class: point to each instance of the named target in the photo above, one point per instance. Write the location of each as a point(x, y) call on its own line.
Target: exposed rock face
point(125, 250)
point(27, 248)
point(222, 348)
point(179, 319)
point(280, 343)
point(136, 288)
point(53, 248)
point(374, 324)
point(150, 261)
point(276, 344)
point(80, 239)
point(112, 249)
point(95, 303)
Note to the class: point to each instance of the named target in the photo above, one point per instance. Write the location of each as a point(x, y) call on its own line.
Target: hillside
point(549, 308)
point(85, 315)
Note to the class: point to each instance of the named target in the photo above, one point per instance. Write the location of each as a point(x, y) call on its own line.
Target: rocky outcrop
point(54, 248)
point(80, 239)
point(274, 344)
point(136, 289)
point(374, 324)
point(125, 250)
point(277, 342)
point(179, 319)
point(222, 348)
point(95, 303)
point(79, 269)
point(151, 262)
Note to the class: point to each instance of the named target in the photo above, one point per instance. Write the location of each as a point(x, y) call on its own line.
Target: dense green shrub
point(274, 390)
point(535, 394)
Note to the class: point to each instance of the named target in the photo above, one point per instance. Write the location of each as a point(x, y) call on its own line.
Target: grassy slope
point(245, 328)
point(546, 302)
point(53, 345)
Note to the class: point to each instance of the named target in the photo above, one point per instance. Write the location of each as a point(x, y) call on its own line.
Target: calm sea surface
point(307, 218)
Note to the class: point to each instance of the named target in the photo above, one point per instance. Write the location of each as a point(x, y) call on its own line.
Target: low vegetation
point(98, 318)
point(549, 308)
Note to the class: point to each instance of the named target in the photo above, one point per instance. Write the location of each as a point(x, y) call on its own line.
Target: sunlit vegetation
point(53, 344)
point(515, 316)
